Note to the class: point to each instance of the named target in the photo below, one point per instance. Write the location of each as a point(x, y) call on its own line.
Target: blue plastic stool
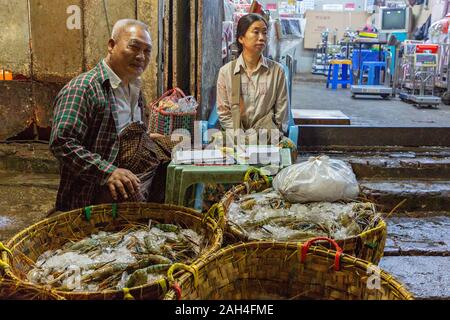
point(345, 66)
point(359, 56)
point(373, 69)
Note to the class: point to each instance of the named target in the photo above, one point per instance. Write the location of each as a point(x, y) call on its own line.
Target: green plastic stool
point(181, 177)
point(209, 174)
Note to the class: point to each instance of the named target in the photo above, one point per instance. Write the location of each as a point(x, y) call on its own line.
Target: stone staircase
point(417, 249)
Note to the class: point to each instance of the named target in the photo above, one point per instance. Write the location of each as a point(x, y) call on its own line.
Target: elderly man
point(90, 114)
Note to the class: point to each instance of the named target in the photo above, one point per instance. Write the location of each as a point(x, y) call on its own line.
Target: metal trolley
point(418, 74)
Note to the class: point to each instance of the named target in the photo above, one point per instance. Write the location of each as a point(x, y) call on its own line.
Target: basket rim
point(26, 285)
point(346, 261)
point(217, 234)
point(230, 195)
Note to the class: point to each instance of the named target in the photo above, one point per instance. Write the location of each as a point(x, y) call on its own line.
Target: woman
point(263, 101)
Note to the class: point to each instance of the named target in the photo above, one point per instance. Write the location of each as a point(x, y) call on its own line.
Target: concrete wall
point(43, 95)
point(211, 18)
point(16, 110)
point(304, 58)
point(14, 37)
point(96, 28)
point(147, 11)
point(58, 53)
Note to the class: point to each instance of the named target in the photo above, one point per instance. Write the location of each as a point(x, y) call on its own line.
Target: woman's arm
point(281, 105)
point(223, 103)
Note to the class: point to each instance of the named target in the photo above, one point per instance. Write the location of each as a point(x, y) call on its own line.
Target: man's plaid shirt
point(84, 137)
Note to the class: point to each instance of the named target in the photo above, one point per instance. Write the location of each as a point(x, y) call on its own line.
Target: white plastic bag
point(318, 179)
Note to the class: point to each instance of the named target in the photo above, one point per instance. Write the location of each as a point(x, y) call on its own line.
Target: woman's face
point(255, 39)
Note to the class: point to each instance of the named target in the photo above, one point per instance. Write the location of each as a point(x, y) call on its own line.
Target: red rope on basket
point(177, 289)
point(337, 258)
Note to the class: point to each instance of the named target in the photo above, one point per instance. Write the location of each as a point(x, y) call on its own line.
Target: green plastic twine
point(114, 210)
point(88, 212)
point(371, 245)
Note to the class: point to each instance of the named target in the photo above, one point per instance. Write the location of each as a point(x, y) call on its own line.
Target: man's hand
point(156, 135)
point(123, 182)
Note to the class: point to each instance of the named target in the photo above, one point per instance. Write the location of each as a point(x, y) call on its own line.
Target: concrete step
point(424, 277)
point(27, 157)
point(25, 198)
point(420, 196)
point(363, 136)
point(401, 164)
point(422, 168)
point(368, 151)
point(428, 236)
point(17, 179)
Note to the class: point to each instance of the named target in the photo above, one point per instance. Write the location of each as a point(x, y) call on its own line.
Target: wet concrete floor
point(24, 200)
point(426, 277)
point(417, 254)
point(366, 110)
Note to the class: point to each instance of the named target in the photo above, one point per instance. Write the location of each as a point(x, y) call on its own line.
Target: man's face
point(130, 54)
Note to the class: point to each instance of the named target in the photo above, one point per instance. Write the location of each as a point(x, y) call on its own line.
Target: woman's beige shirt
point(262, 92)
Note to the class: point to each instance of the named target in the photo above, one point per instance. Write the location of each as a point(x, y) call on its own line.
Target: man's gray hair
point(123, 24)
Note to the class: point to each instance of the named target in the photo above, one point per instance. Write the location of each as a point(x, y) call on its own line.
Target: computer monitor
point(394, 20)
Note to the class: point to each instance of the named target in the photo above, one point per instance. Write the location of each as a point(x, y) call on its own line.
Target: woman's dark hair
point(244, 24)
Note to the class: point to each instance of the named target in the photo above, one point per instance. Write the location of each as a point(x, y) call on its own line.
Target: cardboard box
point(318, 21)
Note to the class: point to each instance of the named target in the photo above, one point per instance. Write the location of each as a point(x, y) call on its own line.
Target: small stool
point(346, 73)
point(181, 177)
point(373, 69)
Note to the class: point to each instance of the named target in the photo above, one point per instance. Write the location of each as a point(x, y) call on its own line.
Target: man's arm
point(70, 124)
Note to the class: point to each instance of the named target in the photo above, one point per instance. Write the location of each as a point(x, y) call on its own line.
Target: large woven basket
point(269, 270)
point(13, 290)
point(52, 233)
point(368, 245)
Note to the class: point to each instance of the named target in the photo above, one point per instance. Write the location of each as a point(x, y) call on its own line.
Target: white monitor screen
point(393, 19)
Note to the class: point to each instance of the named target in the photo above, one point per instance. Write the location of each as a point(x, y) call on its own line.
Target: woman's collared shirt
point(262, 92)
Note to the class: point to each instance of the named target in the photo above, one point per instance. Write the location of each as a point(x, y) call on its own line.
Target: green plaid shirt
point(84, 137)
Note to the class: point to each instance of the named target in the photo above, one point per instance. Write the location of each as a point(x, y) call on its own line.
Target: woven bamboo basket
point(53, 233)
point(279, 270)
point(13, 290)
point(368, 245)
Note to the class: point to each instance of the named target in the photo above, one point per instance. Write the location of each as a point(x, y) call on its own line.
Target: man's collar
point(114, 79)
point(241, 63)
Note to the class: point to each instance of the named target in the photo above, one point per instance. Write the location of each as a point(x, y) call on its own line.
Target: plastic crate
point(366, 55)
